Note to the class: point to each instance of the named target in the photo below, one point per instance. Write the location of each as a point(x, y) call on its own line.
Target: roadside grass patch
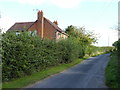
point(112, 75)
point(27, 80)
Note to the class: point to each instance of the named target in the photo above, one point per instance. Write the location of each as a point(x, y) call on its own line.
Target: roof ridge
point(32, 24)
point(23, 22)
point(21, 25)
point(56, 26)
point(53, 24)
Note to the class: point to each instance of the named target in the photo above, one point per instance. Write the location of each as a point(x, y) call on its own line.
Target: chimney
point(41, 20)
point(55, 22)
point(40, 15)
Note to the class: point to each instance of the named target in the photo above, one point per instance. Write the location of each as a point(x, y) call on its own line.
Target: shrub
point(24, 54)
point(67, 50)
point(93, 50)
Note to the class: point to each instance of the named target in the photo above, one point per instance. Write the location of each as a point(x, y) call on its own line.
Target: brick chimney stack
point(41, 20)
point(55, 22)
point(40, 15)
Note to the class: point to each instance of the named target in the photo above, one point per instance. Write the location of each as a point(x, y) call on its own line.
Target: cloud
point(66, 3)
point(74, 3)
point(59, 3)
point(32, 2)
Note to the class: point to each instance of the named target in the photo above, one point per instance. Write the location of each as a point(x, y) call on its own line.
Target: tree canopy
point(82, 35)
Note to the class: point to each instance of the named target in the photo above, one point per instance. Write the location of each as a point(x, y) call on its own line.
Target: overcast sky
point(98, 15)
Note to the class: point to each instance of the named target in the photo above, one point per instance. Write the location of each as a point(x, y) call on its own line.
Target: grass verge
point(111, 73)
point(27, 80)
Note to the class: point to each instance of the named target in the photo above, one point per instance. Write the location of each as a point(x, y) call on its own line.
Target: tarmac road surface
point(88, 74)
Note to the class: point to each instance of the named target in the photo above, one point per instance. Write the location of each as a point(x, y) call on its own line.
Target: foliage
point(113, 68)
point(24, 54)
point(85, 39)
point(93, 50)
point(0, 60)
point(112, 72)
point(117, 46)
point(0, 42)
point(24, 81)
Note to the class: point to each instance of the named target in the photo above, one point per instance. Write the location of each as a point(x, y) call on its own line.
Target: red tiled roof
point(20, 26)
point(55, 26)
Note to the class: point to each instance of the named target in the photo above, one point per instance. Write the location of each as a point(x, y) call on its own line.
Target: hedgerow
point(94, 50)
point(24, 54)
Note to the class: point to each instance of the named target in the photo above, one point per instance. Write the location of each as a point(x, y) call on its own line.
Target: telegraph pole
point(118, 20)
point(0, 55)
point(0, 14)
point(0, 21)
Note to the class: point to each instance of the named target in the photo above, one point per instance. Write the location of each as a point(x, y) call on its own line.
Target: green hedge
point(93, 50)
point(24, 54)
point(112, 75)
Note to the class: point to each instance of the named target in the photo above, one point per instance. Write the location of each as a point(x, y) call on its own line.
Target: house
point(43, 27)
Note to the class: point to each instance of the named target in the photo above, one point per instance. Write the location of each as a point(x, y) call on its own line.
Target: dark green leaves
point(23, 54)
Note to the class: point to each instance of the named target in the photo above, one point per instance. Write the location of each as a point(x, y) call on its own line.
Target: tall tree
point(83, 36)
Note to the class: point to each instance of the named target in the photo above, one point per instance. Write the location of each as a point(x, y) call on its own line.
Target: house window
point(59, 33)
point(17, 33)
point(34, 33)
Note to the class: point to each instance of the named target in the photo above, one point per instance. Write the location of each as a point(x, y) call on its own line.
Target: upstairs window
point(33, 33)
point(17, 33)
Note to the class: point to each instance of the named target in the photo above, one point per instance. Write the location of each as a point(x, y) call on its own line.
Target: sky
point(99, 16)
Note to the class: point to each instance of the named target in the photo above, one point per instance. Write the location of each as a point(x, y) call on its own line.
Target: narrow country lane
point(88, 74)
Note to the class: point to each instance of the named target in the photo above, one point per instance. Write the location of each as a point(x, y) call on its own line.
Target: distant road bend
point(87, 74)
